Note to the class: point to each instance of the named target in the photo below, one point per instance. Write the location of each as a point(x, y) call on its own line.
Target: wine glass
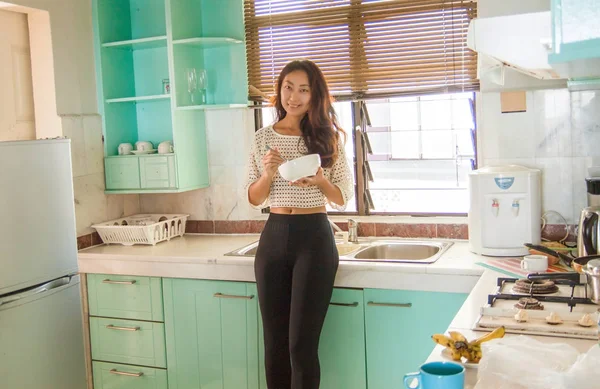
point(192, 82)
point(202, 85)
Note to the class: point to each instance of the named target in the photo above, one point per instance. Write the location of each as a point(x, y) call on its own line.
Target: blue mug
point(437, 375)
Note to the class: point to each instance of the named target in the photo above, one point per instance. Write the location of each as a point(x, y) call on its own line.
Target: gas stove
point(550, 304)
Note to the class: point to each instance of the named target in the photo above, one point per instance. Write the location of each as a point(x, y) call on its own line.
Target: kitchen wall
point(558, 134)
point(74, 76)
point(229, 135)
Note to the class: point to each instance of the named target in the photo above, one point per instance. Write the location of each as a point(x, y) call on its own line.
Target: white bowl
point(298, 168)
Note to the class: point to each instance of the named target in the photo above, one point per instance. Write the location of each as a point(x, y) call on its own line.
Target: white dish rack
point(142, 229)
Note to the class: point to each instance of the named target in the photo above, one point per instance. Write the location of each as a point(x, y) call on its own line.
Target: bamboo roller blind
point(366, 48)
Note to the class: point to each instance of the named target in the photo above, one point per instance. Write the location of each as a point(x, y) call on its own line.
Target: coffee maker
point(589, 227)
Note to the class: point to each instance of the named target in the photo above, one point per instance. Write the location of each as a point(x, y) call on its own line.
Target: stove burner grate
point(529, 303)
point(535, 287)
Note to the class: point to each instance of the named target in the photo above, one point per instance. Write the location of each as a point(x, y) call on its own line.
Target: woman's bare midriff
point(297, 211)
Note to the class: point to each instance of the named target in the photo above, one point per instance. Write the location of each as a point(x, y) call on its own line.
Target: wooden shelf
point(207, 42)
point(139, 44)
point(138, 99)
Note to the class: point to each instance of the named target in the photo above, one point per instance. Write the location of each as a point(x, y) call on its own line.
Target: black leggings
point(295, 268)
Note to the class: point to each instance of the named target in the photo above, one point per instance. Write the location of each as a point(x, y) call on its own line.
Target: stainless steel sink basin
point(378, 250)
point(405, 251)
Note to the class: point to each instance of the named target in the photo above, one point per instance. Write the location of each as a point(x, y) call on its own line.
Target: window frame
point(360, 120)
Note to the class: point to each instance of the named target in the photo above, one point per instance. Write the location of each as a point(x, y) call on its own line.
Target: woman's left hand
point(315, 180)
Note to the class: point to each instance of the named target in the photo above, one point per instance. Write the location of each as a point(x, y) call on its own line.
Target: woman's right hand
point(271, 161)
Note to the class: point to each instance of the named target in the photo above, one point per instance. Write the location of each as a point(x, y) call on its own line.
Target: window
point(400, 71)
point(422, 151)
point(366, 48)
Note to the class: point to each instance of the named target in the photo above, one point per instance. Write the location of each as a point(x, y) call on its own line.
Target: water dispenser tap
point(515, 207)
point(495, 207)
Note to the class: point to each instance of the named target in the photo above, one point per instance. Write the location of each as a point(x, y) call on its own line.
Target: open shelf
point(124, 20)
point(211, 106)
point(139, 44)
point(207, 42)
point(138, 99)
point(143, 46)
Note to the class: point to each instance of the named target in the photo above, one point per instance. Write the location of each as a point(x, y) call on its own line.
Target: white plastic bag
point(522, 362)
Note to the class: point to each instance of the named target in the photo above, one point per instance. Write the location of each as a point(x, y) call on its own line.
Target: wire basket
point(141, 229)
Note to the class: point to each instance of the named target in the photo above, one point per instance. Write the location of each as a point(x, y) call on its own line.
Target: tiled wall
point(229, 136)
point(91, 204)
point(558, 134)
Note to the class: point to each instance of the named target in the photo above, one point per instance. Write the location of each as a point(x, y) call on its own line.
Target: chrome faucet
point(352, 231)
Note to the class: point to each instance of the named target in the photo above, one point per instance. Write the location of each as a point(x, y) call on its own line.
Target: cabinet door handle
point(115, 371)
point(107, 281)
point(399, 305)
point(233, 296)
point(354, 304)
point(111, 327)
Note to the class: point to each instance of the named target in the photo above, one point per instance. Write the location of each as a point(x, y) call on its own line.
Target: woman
point(297, 259)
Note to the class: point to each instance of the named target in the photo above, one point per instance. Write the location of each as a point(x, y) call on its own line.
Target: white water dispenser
point(505, 210)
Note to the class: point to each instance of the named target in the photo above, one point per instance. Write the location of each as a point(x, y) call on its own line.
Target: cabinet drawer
point(157, 172)
point(115, 376)
point(128, 341)
point(125, 297)
point(122, 173)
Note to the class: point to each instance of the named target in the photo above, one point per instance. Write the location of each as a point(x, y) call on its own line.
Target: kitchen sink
point(400, 250)
point(377, 250)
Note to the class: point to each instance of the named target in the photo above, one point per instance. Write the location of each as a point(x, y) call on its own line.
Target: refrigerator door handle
point(43, 288)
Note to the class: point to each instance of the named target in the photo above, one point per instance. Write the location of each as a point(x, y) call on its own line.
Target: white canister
point(125, 148)
point(165, 147)
point(143, 145)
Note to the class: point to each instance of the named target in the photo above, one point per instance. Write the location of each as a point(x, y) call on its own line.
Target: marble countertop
point(465, 319)
point(203, 256)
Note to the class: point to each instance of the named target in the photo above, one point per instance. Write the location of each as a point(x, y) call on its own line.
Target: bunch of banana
point(460, 347)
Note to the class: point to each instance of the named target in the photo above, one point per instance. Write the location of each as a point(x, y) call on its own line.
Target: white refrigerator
point(41, 324)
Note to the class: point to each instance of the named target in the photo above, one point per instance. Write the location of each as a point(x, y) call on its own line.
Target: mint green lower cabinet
point(342, 344)
point(128, 341)
point(398, 328)
point(122, 173)
point(211, 331)
point(125, 297)
point(115, 376)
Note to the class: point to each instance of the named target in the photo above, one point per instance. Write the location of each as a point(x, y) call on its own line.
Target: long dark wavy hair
point(320, 128)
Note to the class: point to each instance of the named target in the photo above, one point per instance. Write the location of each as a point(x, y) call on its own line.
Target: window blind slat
point(365, 49)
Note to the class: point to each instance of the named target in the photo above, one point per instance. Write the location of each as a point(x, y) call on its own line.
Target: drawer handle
point(354, 304)
point(115, 371)
point(233, 296)
point(107, 281)
point(398, 305)
point(111, 327)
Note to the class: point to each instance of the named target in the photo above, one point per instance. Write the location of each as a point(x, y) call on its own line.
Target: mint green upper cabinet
point(398, 327)
point(575, 32)
point(121, 20)
point(209, 35)
point(140, 47)
point(342, 344)
point(207, 19)
point(211, 332)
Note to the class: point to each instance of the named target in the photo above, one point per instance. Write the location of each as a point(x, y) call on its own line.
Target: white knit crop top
point(283, 194)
